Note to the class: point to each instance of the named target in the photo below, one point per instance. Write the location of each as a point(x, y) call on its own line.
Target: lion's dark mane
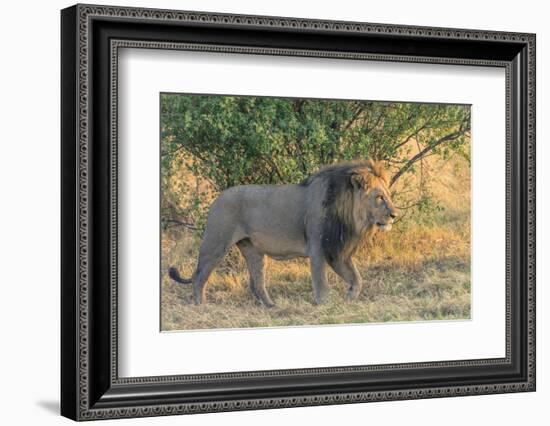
point(338, 234)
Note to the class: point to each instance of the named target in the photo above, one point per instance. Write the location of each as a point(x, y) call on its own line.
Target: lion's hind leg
point(256, 267)
point(211, 252)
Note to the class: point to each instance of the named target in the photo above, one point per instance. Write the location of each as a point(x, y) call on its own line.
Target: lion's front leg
point(348, 272)
point(319, 278)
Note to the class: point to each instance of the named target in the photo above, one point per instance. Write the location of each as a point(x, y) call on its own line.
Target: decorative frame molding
point(91, 388)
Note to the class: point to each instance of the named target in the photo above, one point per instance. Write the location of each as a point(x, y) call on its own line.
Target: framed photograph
point(263, 212)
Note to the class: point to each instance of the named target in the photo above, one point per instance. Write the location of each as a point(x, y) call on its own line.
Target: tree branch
point(176, 222)
point(423, 152)
point(360, 109)
point(415, 132)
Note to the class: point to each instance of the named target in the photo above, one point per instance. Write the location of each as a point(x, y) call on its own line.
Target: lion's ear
point(358, 181)
point(377, 169)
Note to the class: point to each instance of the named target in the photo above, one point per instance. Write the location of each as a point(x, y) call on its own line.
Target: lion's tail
point(175, 275)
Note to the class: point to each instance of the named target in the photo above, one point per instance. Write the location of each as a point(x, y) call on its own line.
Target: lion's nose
point(393, 214)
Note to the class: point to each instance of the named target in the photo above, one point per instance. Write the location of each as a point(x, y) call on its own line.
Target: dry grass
point(431, 282)
point(415, 272)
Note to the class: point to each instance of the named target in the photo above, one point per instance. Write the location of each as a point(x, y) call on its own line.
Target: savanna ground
point(418, 271)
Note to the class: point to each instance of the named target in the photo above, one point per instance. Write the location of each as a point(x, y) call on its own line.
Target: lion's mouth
point(384, 226)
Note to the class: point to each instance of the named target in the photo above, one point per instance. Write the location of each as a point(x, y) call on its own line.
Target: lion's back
point(263, 204)
point(273, 215)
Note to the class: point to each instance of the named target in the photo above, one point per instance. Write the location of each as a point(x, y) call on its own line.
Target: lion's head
point(372, 205)
point(357, 199)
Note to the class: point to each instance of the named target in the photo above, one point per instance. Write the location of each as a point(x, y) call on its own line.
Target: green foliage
point(233, 140)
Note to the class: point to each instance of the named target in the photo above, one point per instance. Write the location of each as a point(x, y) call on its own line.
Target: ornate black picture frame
point(91, 388)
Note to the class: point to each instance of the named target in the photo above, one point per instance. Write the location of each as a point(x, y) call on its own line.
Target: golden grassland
point(415, 272)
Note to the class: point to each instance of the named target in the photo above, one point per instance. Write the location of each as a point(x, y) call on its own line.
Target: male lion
point(323, 218)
